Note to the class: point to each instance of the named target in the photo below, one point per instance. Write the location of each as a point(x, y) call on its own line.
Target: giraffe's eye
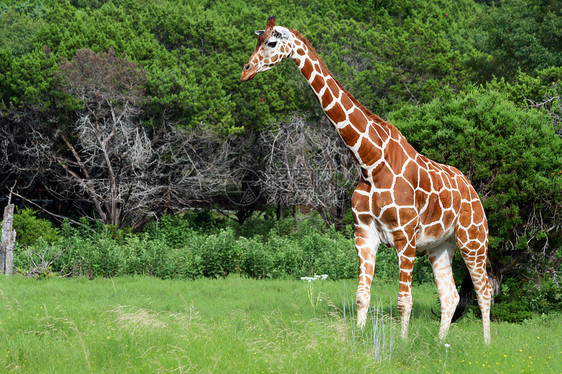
point(272, 44)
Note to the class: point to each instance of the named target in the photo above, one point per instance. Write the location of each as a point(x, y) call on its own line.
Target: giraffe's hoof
point(361, 320)
point(361, 317)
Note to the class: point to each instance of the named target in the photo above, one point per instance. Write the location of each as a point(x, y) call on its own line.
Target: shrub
point(220, 254)
point(257, 226)
point(29, 228)
point(257, 261)
point(523, 298)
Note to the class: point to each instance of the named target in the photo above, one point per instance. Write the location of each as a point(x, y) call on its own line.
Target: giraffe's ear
point(259, 32)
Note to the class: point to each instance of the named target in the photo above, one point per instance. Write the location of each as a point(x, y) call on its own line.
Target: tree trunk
point(279, 211)
point(8, 241)
point(294, 212)
point(341, 210)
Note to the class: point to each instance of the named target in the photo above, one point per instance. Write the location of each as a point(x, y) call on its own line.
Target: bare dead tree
point(195, 165)
point(16, 126)
point(308, 165)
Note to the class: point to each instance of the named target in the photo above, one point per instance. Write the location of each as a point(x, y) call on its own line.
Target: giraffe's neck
point(365, 134)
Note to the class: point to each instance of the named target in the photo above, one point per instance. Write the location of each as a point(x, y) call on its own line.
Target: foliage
point(29, 228)
point(19, 23)
point(398, 52)
point(522, 299)
point(385, 53)
point(540, 91)
point(192, 52)
point(176, 250)
point(185, 246)
point(522, 35)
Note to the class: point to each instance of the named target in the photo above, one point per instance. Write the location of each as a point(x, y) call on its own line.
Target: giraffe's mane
point(365, 110)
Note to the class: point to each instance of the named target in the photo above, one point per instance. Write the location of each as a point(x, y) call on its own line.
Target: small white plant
point(315, 277)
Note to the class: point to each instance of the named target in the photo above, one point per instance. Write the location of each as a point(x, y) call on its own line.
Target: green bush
point(172, 249)
point(256, 262)
point(29, 228)
point(257, 226)
point(174, 230)
point(523, 298)
point(220, 254)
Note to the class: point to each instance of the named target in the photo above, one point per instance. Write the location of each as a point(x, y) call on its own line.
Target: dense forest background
point(124, 112)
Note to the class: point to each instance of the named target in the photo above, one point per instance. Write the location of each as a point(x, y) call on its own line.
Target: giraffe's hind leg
point(473, 244)
point(477, 267)
point(441, 258)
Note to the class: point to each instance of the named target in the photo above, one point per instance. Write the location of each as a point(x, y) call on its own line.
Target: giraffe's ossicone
point(403, 199)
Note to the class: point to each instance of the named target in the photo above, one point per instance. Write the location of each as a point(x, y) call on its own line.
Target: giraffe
point(403, 199)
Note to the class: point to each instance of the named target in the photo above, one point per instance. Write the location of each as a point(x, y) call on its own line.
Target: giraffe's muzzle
point(248, 72)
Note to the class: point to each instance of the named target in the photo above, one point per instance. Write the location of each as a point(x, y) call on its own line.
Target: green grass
point(145, 324)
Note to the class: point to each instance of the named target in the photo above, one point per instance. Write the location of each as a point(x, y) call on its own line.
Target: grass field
point(241, 325)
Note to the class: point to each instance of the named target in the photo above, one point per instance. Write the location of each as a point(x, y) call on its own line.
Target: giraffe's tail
point(466, 294)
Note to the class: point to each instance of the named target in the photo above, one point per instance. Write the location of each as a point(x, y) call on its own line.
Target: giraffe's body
point(403, 199)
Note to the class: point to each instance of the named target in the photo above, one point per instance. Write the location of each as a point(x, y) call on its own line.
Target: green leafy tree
point(522, 35)
point(18, 25)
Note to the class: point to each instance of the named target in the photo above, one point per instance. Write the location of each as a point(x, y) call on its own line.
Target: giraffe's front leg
point(367, 242)
point(406, 254)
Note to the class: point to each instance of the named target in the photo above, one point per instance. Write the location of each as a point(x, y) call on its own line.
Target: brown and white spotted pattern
point(403, 199)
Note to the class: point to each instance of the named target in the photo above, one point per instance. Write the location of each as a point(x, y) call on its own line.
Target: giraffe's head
point(274, 45)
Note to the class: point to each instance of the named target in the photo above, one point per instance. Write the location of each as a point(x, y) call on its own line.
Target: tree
point(109, 148)
point(308, 165)
point(522, 35)
point(106, 159)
